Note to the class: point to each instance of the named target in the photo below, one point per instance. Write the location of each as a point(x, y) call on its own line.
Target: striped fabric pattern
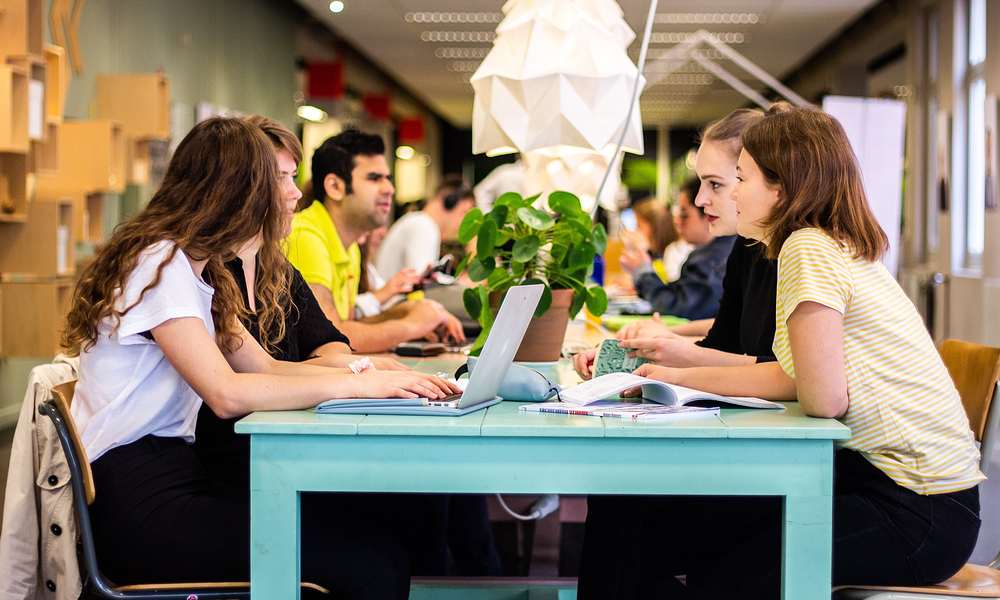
point(905, 414)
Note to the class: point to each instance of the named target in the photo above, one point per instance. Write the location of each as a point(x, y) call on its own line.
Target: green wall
point(237, 54)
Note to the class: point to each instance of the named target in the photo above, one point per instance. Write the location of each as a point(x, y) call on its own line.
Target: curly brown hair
point(220, 191)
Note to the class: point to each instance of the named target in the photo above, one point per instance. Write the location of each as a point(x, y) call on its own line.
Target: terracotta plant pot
point(543, 340)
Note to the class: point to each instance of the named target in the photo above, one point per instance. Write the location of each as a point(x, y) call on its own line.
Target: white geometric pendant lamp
point(558, 75)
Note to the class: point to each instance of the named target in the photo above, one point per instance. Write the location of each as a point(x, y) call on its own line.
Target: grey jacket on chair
point(38, 540)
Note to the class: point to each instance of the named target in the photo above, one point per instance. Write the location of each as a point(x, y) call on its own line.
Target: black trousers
point(159, 518)
point(730, 547)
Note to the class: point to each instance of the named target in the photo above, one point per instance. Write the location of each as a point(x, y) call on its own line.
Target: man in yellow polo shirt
point(353, 190)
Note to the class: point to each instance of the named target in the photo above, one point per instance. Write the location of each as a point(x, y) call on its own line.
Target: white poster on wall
point(876, 129)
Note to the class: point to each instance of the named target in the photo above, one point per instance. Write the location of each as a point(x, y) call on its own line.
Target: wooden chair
point(82, 482)
point(975, 370)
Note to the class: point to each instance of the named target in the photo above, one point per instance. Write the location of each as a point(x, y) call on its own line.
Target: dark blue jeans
point(730, 547)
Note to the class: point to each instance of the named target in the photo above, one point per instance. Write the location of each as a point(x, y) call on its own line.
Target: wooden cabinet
point(13, 108)
point(20, 28)
point(44, 245)
point(91, 157)
point(139, 101)
point(33, 316)
point(16, 187)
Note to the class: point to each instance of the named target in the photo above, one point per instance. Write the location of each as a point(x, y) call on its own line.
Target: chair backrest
point(62, 394)
point(975, 370)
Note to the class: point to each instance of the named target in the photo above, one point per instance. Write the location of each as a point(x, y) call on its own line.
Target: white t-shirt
point(127, 389)
point(413, 242)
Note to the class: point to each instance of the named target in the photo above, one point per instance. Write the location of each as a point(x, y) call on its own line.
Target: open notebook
point(667, 394)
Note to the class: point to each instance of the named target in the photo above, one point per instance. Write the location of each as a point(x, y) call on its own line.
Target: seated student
point(352, 185)
point(850, 345)
point(375, 294)
point(414, 241)
point(156, 320)
point(743, 330)
point(696, 293)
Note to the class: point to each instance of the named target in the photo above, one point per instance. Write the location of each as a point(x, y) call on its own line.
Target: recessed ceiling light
point(708, 18)
point(675, 37)
point(405, 152)
point(453, 17)
point(458, 36)
point(336, 6)
point(311, 113)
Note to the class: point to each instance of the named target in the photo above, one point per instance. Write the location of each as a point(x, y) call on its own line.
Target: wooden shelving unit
point(16, 187)
point(101, 168)
point(33, 312)
point(139, 101)
point(56, 83)
point(13, 108)
point(44, 245)
point(20, 28)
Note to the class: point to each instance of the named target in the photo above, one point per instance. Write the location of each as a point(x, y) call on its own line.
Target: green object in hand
point(612, 358)
point(616, 322)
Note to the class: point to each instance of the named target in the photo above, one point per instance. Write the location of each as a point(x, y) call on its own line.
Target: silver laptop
point(484, 382)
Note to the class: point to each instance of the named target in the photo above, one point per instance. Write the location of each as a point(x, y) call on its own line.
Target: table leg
point(274, 540)
point(807, 548)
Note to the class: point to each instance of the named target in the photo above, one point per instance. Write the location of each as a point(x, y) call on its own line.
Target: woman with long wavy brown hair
point(157, 323)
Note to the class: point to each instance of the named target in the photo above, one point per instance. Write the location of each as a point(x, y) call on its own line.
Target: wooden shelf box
point(20, 28)
point(91, 157)
point(34, 315)
point(44, 245)
point(13, 108)
point(140, 102)
point(56, 83)
point(44, 156)
point(15, 187)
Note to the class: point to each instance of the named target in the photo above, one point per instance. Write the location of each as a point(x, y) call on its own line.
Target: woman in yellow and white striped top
point(849, 345)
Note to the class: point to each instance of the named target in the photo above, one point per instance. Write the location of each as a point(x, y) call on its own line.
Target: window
point(975, 92)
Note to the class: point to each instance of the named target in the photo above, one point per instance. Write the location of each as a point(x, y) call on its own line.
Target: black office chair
point(95, 585)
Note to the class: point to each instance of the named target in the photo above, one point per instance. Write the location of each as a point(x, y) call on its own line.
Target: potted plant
point(517, 244)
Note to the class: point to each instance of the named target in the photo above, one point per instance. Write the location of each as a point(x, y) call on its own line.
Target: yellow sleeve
point(307, 251)
point(813, 267)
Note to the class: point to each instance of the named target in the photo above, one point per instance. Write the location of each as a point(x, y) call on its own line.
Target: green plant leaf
point(470, 298)
point(581, 256)
point(579, 297)
point(508, 198)
point(499, 215)
point(462, 264)
point(597, 300)
point(564, 203)
point(525, 249)
point(600, 239)
point(534, 218)
point(477, 346)
point(546, 300)
point(531, 199)
point(498, 279)
point(503, 236)
point(517, 269)
point(470, 225)
point(480, 269)
point(486, 239)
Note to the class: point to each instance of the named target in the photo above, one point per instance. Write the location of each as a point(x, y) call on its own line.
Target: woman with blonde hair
point(850, 345)
point(157, 322)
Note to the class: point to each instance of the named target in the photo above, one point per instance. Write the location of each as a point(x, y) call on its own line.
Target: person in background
point(414, 241)
point(850, 345)
point(654, 224)
point(354, 192)
point(375, 293)
point(696, 292)
point(157, 323)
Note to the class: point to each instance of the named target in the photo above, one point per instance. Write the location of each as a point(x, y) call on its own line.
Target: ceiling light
point(458, 36)
point(461, 53)
point(708, 18)
point(336, 6)
point(463, 66)
point(405, 152)
point(676, 37)
point(453, 17)
point(311, 113)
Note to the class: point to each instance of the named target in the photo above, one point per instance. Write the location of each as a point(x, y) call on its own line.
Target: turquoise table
point(740, 452)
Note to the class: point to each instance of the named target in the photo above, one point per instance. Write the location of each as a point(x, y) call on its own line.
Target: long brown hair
point(807, 153)
point(220, 191)
point(729, 130)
